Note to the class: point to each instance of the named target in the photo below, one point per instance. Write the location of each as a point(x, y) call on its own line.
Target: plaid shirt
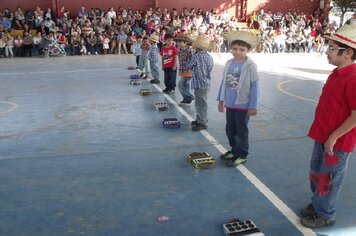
point(201, 65)
point(153, 53)
point(184, 55)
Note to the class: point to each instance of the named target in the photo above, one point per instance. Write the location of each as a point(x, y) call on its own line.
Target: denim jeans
point(184, 88)
point(237, 131)
point(154, 70)
point(201, 105)
point(170, 77)
point(326, 176)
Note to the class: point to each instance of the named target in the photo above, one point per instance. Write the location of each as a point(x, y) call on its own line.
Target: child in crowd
point(185, 54)
point(121, 41)
point(238, 94)
point(169, 55)
point(9, 45)
point(136, 50)
point(27, 44)
point(2, 44)
point(144, 64)
point(18, 46)
point(106, 42)
point(153, 55)
point(201, 64)
point(333, 130)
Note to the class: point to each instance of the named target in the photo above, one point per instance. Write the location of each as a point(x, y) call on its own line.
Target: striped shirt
point(201, 65)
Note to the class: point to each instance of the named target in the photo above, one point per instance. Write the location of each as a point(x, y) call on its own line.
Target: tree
point(344, 6)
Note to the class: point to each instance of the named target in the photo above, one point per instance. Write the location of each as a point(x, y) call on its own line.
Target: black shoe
point(165, 90)
point(227, 156)
point(155, 81)
point(198, 127)
point(308, 210)
point(235, 161)
point(194, 122)
point(315, 221)
point(172, 91)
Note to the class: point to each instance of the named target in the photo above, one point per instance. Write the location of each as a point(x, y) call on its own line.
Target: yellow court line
point(280, 88)
point(13, 106)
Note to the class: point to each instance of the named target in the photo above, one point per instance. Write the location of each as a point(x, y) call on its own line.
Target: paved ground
point(82, 153)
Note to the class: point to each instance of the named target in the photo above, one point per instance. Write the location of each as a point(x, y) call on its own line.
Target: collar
point(350, 69)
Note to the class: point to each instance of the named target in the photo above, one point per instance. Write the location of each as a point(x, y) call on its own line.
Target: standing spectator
point(136, 50)
point(333, 131)
point(62, 40)
point(106, 42)
point(27, 44)
point(9, 45)
point(2, 44)
point(38, 43)
point(18, 46)
point(169, 55)
point(201, 64)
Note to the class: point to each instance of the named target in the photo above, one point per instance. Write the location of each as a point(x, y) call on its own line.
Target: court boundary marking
point(13, 107)
point(259, 185)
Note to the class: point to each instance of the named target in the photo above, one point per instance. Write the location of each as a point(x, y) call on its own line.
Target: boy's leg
point(201, 106)
point(155, 72)
point(166, 78)
point(184, 88)
point(172, 79)
point(240, 134)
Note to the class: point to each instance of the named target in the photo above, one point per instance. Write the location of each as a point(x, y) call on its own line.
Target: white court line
point(56, 71)
point(273, 198)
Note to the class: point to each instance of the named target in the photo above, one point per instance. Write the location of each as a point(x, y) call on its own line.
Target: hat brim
point(340, 40)
point(183, 39)
point(245, 36)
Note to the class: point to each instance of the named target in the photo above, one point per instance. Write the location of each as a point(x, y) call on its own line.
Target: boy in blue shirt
point(238, 95)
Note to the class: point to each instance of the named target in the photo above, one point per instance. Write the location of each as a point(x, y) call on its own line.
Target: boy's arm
point(252, 110)
point(345, 127)
point(175, 63)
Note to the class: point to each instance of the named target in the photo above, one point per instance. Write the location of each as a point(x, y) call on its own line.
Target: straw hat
point(201, 42)
point(245, 36)
point(154, 38)
point(345, 35)
point(183, 37)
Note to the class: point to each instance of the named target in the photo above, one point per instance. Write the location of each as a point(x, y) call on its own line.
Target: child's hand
point(221, 107)
point(251, 112)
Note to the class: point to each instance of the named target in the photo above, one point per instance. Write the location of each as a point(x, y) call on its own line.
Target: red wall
point(307, 6)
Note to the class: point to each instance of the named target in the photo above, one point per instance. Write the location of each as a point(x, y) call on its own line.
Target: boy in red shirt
point(333, 129)
point(169, 55)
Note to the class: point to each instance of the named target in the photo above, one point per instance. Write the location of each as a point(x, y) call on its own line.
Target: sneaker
point(142, 75)
point(227, 156)
point(172, 91)
point(308, 210)
point(165, 90)
point(236, 162)
point(315, 221)
point(183, 102)
point(198, 127)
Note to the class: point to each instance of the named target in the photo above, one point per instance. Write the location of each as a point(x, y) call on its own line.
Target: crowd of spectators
point(94, 31)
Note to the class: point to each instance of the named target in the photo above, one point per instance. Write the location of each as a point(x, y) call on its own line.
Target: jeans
point(154, 70)
point(144, 65)
point(326, 176)
point(170, 78)
point(237, 131)
point(201, 105)
point(184, 88)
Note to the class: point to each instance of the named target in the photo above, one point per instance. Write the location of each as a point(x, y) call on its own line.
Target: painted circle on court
point(10, 107)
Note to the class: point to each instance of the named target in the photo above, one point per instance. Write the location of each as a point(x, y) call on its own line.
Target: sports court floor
point(82, 153)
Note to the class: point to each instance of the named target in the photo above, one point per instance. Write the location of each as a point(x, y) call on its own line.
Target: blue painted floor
point(82, 153)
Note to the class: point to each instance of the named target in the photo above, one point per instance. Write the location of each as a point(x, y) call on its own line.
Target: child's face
point(239, 52)
point(332, 53)
point(181, 44)
point(169, 42)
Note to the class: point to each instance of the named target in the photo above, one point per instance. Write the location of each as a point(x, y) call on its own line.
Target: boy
point(333, 130)
point(201, 64)
point(169, 55)
point(153, 55)
point(136, 50)
point(238, 94)
point(185, 54)
point(144, 64)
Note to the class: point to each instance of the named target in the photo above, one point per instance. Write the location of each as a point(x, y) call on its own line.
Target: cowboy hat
point(154, 38)
point(183, 38)
point(201, 42)
point(245, 36)
point(345, 35)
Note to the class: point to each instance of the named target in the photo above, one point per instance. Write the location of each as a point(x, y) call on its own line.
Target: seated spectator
point(19, 18)
point(38, 16)
point(8, 14)
point(75, 43)
point(82, 12)
point(5, 22)
point(27, 44)
point(37, 41)
point(30, 18)
point(121, 42)
point(2, 45)
point(62, 40)
point(92, 44)
point(50, 14)
point(18, 42)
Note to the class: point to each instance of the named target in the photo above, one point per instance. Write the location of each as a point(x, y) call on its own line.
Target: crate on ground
point(135, 82)
point(132, 67)
point(161, 106)
point(145, 92)
point(197, 155)
point(171, 123)
point(203, 163)
point(241, 227)
point(134, 76)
